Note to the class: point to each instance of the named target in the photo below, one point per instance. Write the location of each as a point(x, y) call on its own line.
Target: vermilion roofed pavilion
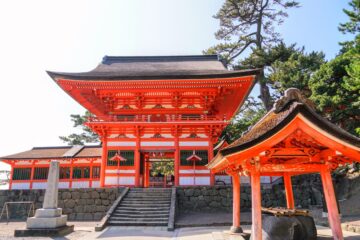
point(291, 139)
point(168, 105)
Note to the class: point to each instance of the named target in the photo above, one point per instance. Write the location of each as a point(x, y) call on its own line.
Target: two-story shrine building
point(145, 110)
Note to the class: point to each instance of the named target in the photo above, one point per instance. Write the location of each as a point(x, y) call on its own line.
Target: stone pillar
point(50, 216)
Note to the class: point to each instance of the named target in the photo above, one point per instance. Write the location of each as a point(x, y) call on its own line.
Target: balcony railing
point(155, 118)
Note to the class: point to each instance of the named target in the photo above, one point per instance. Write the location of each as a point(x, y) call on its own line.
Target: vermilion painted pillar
point(103, 161)
point(176, 160)
point(289, 191)
point(333, 211)
point(210, 157)
point(91, 173)
point(32, 174)
point(71, 172)
point(256, 228)
point(11, 176)
point(236, 228)
point(137, 162)
point(146, 172)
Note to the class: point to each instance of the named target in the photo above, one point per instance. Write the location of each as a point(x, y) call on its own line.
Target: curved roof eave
point(110, 76)
point(305, 111)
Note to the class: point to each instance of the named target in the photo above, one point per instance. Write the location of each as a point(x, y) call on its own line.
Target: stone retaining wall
point(79, 204)
point(219, 198)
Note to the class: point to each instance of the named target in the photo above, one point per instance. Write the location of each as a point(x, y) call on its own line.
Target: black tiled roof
point(55, 152)
point(155, 67)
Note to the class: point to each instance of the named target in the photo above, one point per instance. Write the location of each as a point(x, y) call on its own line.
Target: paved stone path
point(85, 230)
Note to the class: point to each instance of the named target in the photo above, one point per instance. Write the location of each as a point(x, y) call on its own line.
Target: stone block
point(88, 217)
point(69, 203)
point(104, 195)
point(79, 209)
point(98, 201)
point(41, 223)
point(189, 192)
point(80, 216)
point(67, 210)
point(95, 195)
point(75, 195)
point(66, 195)
point(85, 195)
point(90, 202)
point(98, 216)
point(112, 197)
point(100, 208)
point(105, 202)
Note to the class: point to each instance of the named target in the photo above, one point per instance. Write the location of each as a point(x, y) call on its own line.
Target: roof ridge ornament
point(292, 95)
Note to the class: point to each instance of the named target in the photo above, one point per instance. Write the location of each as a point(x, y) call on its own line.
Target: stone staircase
point(143, 207)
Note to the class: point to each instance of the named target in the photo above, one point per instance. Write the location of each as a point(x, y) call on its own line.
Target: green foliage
point(352, 26)
point(86, 136)
point(165, 168)
point(247, 25)
point(249, 114)
point(336, 89)
point(296, 71)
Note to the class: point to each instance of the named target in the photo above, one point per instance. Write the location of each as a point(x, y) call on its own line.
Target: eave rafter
point(182, 96)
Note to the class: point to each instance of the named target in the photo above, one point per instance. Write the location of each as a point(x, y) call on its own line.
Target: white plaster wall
point(20, 186)
point(96, 184)
point(157, 144)
point(111, 180)
point(119, 171)
point(194, 144)
point(64, 184)
point(198, 181)
point(80, 184)
point(224, 178)
point(192, 171)
point(39, 185)
point(121, 144)
point(127, 180)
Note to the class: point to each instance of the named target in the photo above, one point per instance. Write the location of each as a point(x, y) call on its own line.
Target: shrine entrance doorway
point(158, 169)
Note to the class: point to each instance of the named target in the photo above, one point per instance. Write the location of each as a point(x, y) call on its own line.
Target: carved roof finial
point(292, 95)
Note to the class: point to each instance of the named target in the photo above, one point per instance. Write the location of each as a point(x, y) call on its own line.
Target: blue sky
point(71, 36)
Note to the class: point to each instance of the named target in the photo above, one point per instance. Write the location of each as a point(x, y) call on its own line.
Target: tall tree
point(247, 25)
point(336, 86)
point(295, 71)
point(353, 25)
point(336, 89)
point(86, 135)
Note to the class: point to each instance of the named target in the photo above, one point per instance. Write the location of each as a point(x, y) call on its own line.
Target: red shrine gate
point(170, 106)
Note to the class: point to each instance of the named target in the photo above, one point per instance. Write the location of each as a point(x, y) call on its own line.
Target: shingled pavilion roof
point(156, 67)
point(57, 153)
point(283, 112)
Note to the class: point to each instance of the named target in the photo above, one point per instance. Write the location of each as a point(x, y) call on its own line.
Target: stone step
point(144, 208)
point(146, 199)
point(141, 215)
point(125, 223)
point(148, 194)
point(135, 211)
point(145, 202)
point(150, 189)
point(150, 204)
point(128, 219)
